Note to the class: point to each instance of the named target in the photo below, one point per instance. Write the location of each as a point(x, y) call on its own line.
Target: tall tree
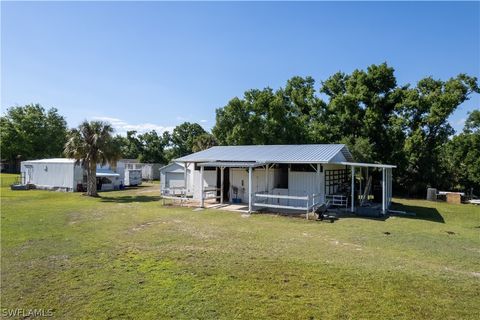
point(90, 144)
point(183, 137)
point(462, 155)
point(425, 110)
point(152, 147)
point(268, 117)
point(362, 106)
point(31, 132)
point(132, 145)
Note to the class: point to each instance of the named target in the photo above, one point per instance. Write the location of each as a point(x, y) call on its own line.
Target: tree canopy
point(31, 132)
point(462, 154)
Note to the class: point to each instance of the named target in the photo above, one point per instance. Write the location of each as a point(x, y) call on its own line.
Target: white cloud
point(203, 121)
point(121, 126)
point(460, 122)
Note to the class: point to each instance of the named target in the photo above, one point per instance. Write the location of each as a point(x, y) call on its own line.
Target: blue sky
point(154, 65)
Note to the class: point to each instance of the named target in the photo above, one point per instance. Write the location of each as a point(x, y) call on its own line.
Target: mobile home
point(65, 175)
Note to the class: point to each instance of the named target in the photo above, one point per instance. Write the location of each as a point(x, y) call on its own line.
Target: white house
point(174, 178)
point(64, 175)
point(298, 177)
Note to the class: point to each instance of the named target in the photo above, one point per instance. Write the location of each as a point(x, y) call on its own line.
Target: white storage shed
point(173, 179)
point(55, 174)
point(65, 175)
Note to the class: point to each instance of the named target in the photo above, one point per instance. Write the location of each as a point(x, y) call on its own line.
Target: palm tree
point(92, 143)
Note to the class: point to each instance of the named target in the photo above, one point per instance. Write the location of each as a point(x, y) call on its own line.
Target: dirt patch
point(145, 225)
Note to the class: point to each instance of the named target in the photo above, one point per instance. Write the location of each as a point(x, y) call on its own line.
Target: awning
point(107, 174)
point(231, 164)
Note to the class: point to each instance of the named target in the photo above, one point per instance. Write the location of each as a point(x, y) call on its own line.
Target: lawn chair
point(323, 212)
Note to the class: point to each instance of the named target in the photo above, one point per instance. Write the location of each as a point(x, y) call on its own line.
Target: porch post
point(221, 185)
point(361, 178)
point(352, 209)
point(202, 194)
point(185, 178)
point(383, 191)
point(266, 179)
point(318, 179)
point(250, 189)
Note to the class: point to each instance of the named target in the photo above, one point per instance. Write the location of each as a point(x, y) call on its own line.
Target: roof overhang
point(232, 164)
point(368, 165)
point(107, 174)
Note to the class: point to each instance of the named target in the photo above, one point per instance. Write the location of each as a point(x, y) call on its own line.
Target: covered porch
point(362, 187)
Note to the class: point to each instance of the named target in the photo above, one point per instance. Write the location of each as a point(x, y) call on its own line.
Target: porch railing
point(310, 201)
point(211, 193)
point(173, 192)
point(338, 200)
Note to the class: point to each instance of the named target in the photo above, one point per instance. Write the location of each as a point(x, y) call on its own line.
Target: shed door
point(28, 174)
point(174, 180)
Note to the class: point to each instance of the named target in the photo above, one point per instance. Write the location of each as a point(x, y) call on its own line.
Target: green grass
point(125, 256)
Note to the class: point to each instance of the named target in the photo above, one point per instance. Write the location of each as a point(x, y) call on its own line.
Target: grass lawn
point(124, 256)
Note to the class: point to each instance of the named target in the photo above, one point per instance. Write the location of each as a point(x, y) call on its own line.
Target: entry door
point(226, 183)
point(28, 174)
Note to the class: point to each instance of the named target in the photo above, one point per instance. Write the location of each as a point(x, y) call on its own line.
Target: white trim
point(368, 165)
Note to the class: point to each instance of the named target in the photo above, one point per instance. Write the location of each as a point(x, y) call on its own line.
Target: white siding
point(174, 180)
point(303, 184)
point(209, 180)
point(50, 175)
point(237, 175)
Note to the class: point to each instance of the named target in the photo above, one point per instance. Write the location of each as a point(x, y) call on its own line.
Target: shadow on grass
point(130, 199)
point(376, 217)
point(421, 213)
point(137, 187)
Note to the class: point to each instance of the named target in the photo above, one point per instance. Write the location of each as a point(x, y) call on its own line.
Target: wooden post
point(383, 191)
point(202, 194)
point(250, 189)
point(221, 185)
point(352, 209)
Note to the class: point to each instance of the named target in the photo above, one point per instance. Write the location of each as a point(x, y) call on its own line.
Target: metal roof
point(232, 164)
point(173, 164)
point(298, 153)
